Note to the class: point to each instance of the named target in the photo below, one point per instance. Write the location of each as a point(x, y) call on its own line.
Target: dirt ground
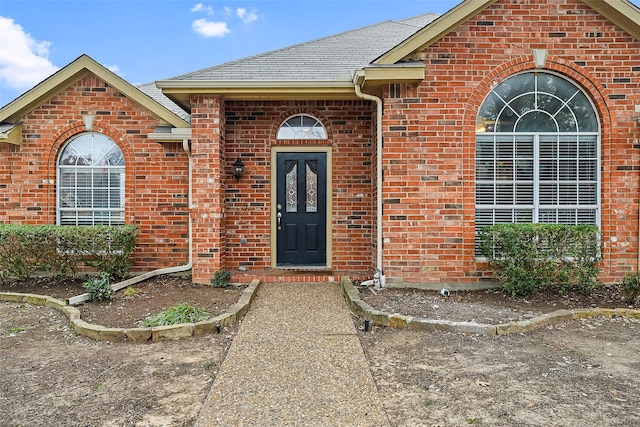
point(578, 373)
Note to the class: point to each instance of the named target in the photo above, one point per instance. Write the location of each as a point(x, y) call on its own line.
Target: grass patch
point(130, 292)
point(180, 313)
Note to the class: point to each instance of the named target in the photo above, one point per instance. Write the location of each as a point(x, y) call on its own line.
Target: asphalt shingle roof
point(150, 89)
point(324, 59)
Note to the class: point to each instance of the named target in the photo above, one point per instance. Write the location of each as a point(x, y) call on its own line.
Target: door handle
point(279, 216)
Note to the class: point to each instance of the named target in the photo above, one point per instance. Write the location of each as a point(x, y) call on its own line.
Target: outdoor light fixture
point(238, 168)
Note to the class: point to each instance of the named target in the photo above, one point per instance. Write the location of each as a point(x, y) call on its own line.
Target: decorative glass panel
point(292, 189)
point(312, 190)
point(302, 127)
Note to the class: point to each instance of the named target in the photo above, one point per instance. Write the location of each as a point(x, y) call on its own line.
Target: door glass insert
point(312, 189)
point(292, 188)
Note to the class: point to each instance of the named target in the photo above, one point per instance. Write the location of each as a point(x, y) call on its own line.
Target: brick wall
point(156, 174)
point(430, 133)
point(208, 181)
point(250, 133)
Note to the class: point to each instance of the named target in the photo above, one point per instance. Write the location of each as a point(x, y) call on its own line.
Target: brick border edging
point(98, 332)
point(399, 321)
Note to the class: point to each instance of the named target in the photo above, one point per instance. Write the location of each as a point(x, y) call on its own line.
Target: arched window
point(302, 127)
point(537, 155)
point(91, 181)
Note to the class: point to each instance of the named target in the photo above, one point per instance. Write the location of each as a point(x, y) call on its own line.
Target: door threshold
point(303, 269)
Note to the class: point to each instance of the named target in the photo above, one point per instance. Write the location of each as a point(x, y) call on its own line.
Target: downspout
point(179, 268)
point(379, 280)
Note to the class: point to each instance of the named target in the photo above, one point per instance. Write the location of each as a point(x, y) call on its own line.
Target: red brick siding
point(208, 181)
point(250, 134)
point(156, 175)
point(430, 133)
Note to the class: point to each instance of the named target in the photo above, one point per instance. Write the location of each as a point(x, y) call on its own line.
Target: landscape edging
point(395, 320)
point(98, 332)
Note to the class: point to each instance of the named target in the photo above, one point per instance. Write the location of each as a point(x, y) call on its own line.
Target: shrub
point(181, 313)
point(26, 249)
point(526, 257)
point(221, 279)
point(107, 248)
point(631, 287)
point(99, 287)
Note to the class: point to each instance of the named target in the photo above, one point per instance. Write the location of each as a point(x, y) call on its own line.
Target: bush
point(527, 257)
point(26, 249)
point(221, 279)
point(631, 287)
point(181, 313)
point(99, 287)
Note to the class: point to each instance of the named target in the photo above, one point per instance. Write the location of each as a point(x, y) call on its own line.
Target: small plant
point(221, 279)
point(180, 313)
point(99, 287)
point(212, 364)
point(130, 292)
point(631, 287)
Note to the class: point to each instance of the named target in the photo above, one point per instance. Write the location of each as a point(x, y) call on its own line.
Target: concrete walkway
point(296, 361)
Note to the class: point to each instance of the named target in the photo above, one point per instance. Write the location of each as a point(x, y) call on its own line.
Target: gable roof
point(73, 72)
point(621, 12)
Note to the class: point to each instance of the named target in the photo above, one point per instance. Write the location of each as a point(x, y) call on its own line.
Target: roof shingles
point(326, 59)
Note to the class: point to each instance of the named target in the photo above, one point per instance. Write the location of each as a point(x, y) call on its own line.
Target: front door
point(301, 209)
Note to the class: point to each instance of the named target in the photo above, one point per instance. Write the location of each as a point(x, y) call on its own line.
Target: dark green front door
point(301, 209)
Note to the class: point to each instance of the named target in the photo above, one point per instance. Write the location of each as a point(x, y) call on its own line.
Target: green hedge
point(27, 249)
point(526, 257)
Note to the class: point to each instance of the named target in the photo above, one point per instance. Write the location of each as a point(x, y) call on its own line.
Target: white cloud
point(113, 68)
point(247, 17)
point(208, 28)
point(219, 28)
point(199, 7)
point(23, 60)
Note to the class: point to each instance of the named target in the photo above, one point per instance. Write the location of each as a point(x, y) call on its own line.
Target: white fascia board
point(176, 134)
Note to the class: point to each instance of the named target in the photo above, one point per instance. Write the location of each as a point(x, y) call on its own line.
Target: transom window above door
point(91, 177)
point(302, 126)
point(537, 153)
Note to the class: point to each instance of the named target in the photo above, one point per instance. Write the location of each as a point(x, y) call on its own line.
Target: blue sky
point(147, 40)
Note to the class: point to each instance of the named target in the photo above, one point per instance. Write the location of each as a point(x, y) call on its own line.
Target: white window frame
point(112, 216)
point(316, 131)
point(536, 207)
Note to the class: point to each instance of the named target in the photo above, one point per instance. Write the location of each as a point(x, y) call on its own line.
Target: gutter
point(179, 268)
point(379, 280)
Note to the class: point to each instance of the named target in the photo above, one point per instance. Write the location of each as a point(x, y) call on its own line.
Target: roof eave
point(373, 77)
point(174, 135)
point(621, 12)
point(75, 71)
point(180, 91)
point(13, 135)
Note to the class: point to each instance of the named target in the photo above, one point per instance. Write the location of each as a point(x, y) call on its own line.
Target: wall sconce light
point(238, 168)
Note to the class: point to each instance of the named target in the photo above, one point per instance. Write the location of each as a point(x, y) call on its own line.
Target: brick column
point(208, 180)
